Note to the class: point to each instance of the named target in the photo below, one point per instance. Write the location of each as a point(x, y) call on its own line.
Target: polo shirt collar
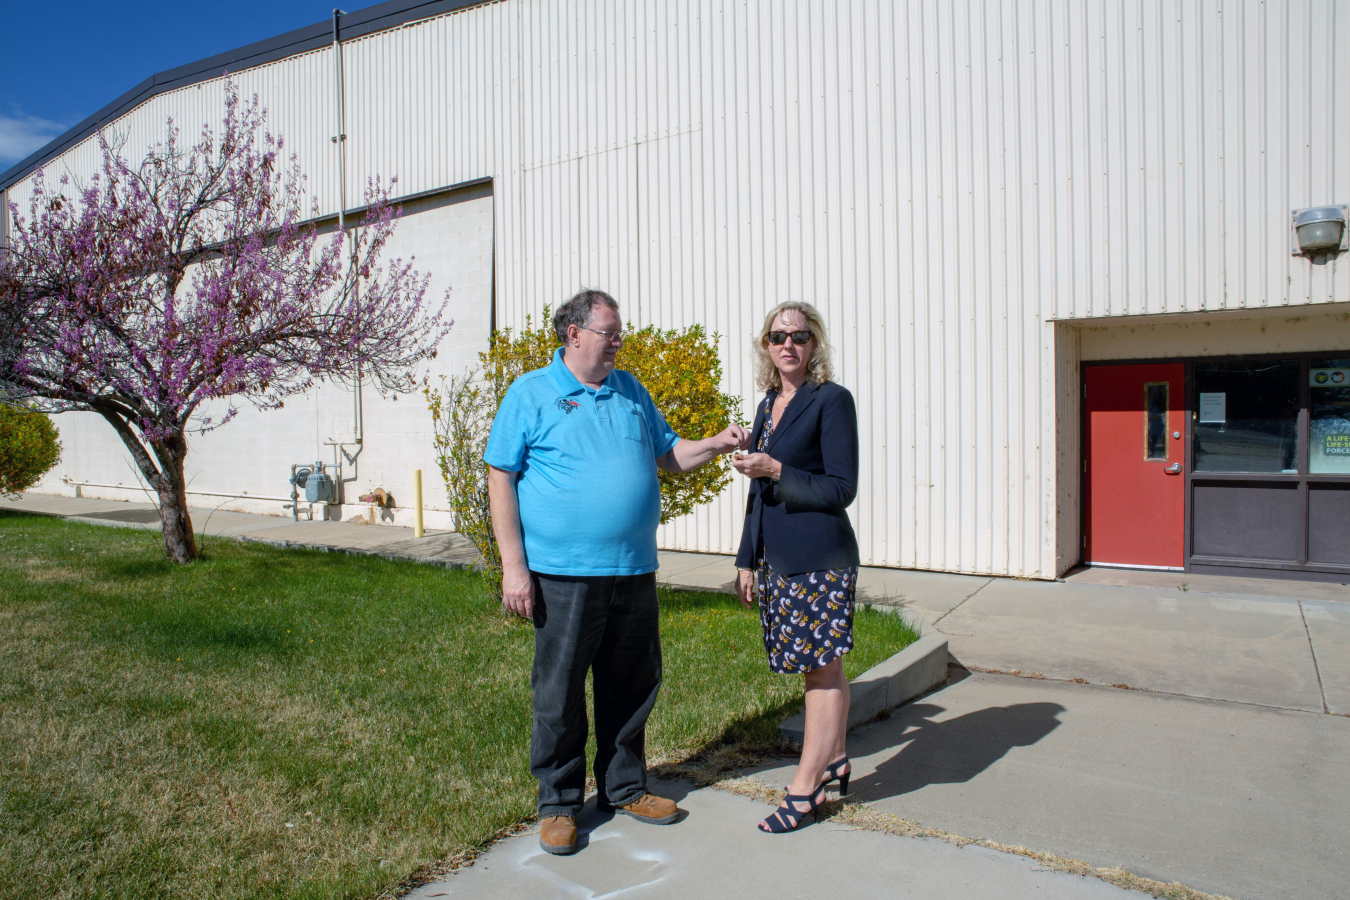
point(566, 381)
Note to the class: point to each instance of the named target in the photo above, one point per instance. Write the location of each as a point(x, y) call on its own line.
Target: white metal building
point(982, 196)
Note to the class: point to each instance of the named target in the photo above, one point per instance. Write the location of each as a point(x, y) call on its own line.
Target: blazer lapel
point(800, 401)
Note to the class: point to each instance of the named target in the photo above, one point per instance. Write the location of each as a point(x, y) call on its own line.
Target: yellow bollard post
point(417, 499)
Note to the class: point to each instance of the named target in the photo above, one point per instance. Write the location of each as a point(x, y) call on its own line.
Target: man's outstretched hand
point(732, 438)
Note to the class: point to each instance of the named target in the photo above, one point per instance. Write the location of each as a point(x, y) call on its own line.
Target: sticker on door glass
point(1213, 407)
point(1329, 377)
point(1336, 445)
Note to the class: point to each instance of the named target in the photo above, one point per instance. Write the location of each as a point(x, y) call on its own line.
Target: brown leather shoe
point(558, 835)
point(652, 809)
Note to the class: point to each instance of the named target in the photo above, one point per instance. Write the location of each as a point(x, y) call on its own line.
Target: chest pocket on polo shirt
point(631, 425)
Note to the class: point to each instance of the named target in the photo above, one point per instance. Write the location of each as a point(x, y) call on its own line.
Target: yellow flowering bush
point(679, 367)
point(29, 447)
point(682, 372)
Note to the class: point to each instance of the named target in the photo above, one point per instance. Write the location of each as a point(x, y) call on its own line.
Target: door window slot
point(1155, 420)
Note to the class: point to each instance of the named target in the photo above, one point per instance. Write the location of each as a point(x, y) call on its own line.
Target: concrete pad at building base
point(1192, 583)
point(1244, 801)
point(716, 851)
point(1248, 649)
point(915, 670)
point(1329, 636)
point(696, 571)
point(925, 596)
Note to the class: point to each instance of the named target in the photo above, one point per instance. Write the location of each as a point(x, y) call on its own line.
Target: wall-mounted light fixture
point(1321, 229)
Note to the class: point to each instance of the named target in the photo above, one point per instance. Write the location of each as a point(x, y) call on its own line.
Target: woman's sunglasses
point(798, 337)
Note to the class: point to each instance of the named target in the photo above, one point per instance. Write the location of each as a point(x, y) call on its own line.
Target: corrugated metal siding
point(944, 179)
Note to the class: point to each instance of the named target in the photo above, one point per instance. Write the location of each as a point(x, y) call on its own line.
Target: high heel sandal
point(832, 774)
point(788, 817)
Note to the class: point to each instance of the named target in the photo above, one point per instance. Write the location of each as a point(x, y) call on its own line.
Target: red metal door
point(1136, 486)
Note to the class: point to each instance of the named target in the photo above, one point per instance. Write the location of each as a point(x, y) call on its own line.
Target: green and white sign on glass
point(1329, 416)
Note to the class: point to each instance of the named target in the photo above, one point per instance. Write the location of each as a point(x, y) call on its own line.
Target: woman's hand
point(745, 580)
point(757, 465)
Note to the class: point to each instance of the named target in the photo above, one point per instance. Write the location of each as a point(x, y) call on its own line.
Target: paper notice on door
point(1213, 407)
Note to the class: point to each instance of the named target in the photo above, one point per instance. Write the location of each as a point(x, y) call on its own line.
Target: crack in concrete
point(1317, 670)
point(1037, 676)
point(956, 607)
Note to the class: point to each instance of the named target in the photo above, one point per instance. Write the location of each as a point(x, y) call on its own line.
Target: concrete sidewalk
point(1242, 801)
point(1245, 801)
point(716, 851)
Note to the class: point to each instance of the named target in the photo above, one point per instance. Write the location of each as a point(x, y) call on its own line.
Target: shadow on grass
point(746, 741)
point(196, 633)
point(675, 600)
point(20, 516)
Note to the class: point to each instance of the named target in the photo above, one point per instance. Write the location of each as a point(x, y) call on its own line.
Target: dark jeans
point(609, 625)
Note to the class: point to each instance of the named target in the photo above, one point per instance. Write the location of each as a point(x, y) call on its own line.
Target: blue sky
point(64, 61)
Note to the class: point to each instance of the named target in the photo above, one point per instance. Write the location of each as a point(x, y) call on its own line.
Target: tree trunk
point(179, 540)
point(166, 478)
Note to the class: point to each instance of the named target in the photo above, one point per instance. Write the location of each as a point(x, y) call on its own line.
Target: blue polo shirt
point(589, 496)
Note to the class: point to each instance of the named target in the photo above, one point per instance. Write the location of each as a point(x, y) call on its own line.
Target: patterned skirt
point(807, 619)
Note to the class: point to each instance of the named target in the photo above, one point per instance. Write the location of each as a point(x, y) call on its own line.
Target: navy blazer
point(801, 518)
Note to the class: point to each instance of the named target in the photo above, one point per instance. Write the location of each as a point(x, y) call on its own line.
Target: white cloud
point(20, 135)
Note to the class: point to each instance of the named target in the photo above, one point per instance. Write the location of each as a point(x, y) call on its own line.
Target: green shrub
point(679, 368)
point(29, 447)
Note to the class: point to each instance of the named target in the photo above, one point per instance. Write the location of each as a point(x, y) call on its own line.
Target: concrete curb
point(915, 670)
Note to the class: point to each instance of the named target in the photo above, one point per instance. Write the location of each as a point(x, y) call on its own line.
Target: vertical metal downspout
point(339, 95)
point(358, 424)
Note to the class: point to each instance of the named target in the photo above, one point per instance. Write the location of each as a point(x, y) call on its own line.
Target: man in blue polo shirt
point(575, 504)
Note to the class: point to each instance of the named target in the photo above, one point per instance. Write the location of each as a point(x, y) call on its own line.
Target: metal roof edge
point(361, 22)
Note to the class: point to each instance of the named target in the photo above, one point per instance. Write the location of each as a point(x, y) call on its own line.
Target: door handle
point(1173, 469)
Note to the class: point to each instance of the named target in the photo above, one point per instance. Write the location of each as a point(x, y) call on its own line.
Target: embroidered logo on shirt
point(567, 405)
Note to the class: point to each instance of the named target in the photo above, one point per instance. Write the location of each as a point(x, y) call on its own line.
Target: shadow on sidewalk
point(954, 751)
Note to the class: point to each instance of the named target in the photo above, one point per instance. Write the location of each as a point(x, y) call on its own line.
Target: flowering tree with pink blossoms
point(198, 276)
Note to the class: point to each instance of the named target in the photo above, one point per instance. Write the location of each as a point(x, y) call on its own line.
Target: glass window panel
point(1247, 416)
point(1329, 416)
point(1155, 432)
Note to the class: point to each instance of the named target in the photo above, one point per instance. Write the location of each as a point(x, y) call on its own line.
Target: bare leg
point(826, 725)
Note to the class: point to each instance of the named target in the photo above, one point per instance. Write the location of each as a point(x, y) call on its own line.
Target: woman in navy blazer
point(798, 554)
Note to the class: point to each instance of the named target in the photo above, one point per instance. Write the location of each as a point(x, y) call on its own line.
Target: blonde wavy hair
point(819, 368)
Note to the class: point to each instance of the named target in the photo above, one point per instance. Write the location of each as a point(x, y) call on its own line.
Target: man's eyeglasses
point(610, 336)
point(798, 337)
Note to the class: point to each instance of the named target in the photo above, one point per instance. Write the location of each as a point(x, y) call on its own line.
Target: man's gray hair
point(580, 311)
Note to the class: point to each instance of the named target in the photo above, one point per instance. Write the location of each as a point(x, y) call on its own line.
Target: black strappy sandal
point(788, 818)
point(832, 774)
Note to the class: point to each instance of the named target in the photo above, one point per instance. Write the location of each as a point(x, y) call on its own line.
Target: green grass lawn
point(271, 723)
